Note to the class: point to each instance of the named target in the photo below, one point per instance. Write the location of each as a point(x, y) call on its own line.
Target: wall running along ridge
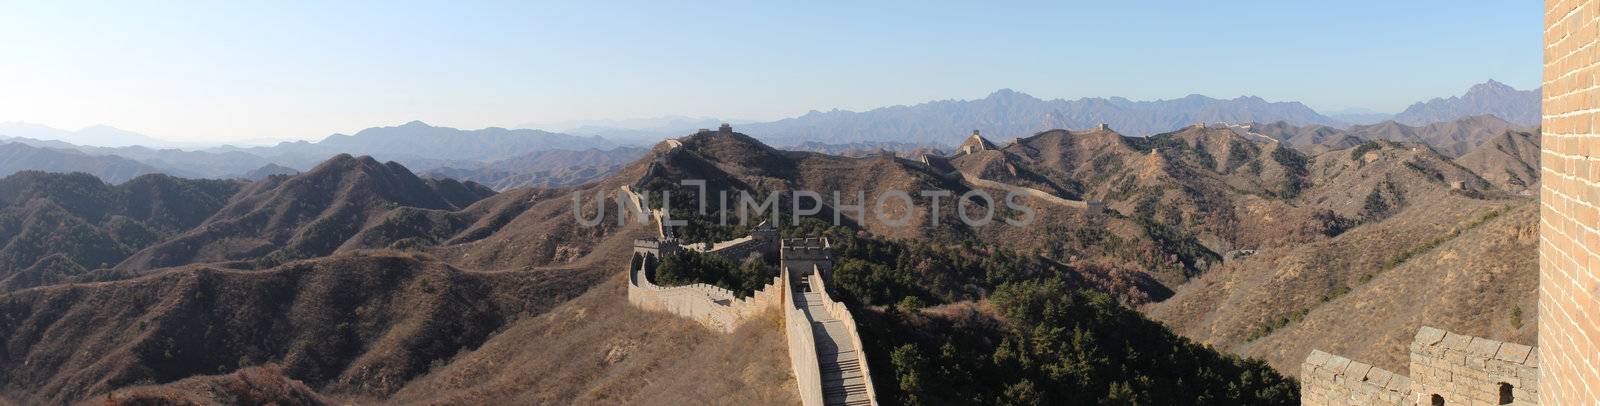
point(822, 377)
point(1327, 379)
point(1569, 199)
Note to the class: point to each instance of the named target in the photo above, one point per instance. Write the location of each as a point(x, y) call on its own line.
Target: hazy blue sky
point(208, 71)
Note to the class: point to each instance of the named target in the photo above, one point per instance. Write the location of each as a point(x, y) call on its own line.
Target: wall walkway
point(825, 350)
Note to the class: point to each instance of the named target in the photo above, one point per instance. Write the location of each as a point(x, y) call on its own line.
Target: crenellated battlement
point(1446, 368)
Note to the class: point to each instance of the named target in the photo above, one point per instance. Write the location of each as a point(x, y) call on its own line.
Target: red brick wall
point(1569, 220)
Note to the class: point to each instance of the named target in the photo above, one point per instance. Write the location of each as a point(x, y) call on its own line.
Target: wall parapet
point(1327, 379)
point(1445, 367)
point(803, 357)
point(713, 306)
point(1463, 369)
point(842, 313)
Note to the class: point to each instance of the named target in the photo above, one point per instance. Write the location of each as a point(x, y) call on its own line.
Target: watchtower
point(799, 254)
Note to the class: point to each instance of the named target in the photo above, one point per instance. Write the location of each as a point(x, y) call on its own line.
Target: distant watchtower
point(725, 128)
point(1105, 127)
point(974, 144)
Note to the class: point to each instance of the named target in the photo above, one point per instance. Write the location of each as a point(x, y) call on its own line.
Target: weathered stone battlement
point(1446, 368)
point(806, 249)
point(1463, 369)
point(1328, 379)
point(716, 308)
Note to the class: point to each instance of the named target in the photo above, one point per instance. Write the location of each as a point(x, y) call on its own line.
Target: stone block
point(1522, 396)
point(1483, 348)
point(1357, 371)
point(1513, 352)
point(1324, 374)
point(1318, 357)
point(1476, 363)
point(1379, 377)
point(1428, 336)
point(1337, 364)
point(1399, 383)
point(1456, 342)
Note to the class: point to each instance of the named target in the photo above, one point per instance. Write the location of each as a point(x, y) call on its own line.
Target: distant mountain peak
point(95, 135)
point(1521, 107)
point(1004, 91)
point(1491, 86)
point(1006, 94)
point(416, 123)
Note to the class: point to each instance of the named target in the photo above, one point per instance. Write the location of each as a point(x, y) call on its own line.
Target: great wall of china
point(1446, 369)
point(825, 350)
point(976, 144)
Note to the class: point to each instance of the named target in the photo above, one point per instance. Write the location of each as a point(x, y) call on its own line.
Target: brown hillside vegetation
point(1480, 283)
point(1399, 200)
point(702, 157)
point(1313, 139)
point(358, 281)
point(57, 226)
point(359, 323)
point(1452, 138)
point(593, 350)
point(1510, 161)
point(305, 216)
point(362, 323)
point(1307, 229)
point(249, 386)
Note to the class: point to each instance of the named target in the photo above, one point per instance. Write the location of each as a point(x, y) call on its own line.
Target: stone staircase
point(840, 363)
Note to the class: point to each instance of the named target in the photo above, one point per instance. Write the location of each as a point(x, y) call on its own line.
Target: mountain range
point(99, 136)
point(354, 279)
point(1493, 98)
point(1452, 138)
point(504, 158)
point(1007, 114)
point(359, 281)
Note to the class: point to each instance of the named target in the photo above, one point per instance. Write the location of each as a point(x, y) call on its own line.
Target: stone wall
point(1462, 369)
point(763, 240)
point(1031, 192)
point(1446, 368)
point(802, 349)
point(1327, 379)
point(1569, 196)
point(716, 308)
point(804, 254)
point(842, 313)
point(721, 310)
